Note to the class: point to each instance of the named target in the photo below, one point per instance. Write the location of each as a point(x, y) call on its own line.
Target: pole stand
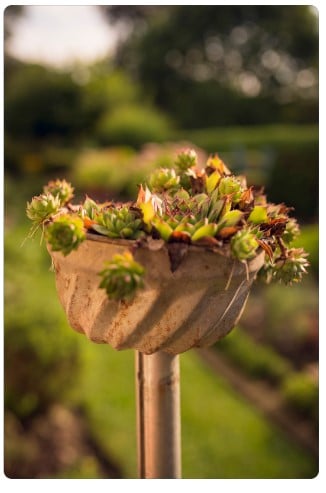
point(158, 415)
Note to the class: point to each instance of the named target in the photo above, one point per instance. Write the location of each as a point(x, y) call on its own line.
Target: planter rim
point(153, 244)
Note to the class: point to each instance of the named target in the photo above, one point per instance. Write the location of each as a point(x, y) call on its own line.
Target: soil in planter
point(54, 445)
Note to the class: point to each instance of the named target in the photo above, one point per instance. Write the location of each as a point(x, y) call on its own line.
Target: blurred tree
point(211, 65)
point(40, 102)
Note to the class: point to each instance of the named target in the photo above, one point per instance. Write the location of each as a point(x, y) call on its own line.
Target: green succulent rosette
point(163, 179)
point(90, 209)
point(287, 269)
point(61, 189)
point(292, 231)
point(42, 207)
point(122, 277)
point(186, 159)
point(244, 245)
point(65, 233)
point(119, 223)
point(230, 186)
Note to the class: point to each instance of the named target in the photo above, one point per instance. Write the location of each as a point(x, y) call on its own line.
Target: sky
point(61, 35)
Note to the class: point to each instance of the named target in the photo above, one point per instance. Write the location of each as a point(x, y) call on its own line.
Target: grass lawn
point(222, 435)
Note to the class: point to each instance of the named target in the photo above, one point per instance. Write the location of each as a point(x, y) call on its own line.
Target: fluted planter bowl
point(194, 306)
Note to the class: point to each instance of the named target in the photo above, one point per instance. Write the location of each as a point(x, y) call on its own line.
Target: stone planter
point(194, 306)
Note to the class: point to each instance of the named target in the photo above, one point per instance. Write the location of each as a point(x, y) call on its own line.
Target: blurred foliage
point(40, 357)
point(309, 240)
point(216, 65)
point(301, 392)
point(103, 171)
point(257, 360)
point(105, 88)
point(132, 125)
point(40, 103)
point(293, 326)
point(116, 172)
point(298, 167)
point(261, 361)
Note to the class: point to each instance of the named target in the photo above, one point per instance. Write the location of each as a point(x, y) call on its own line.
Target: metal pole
point(158, 415)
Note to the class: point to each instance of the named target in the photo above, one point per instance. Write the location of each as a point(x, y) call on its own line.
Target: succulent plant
point(230, 185)
point(186, 159)
point(42, 207)
point(122, 277)
point(204, 231)
point(61, 189)
point(165, 228)
point(90, 209)
point(65, 233)
point(292, 231)
point(287, 269)
point(215, 163)
point(244, 244)
point(258, 215)
point(163, 179)
point(190, 204)
point(118, 223)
